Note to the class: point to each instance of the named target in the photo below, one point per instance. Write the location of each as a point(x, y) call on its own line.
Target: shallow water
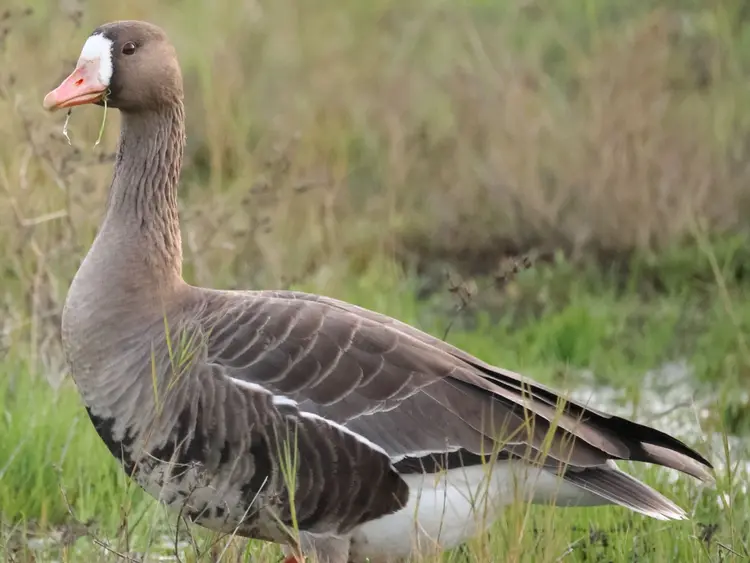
point(671, 401)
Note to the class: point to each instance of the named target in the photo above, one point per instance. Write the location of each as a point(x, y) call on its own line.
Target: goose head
point(131, 64)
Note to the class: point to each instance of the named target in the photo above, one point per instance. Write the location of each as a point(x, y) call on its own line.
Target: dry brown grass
point(328, 133)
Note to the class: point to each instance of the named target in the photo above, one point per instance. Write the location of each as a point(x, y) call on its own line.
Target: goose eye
point(128, 48)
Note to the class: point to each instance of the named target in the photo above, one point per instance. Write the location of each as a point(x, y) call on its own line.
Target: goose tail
point(617, 487)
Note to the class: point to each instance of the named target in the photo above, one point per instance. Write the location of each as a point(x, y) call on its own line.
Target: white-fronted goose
point(378, 408)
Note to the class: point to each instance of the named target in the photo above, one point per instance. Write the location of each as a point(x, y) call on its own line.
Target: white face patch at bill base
point(99, 48)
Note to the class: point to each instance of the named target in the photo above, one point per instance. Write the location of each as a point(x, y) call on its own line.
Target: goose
point(342, 434)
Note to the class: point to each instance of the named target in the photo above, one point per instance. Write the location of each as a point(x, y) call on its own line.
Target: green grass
point(50, 455)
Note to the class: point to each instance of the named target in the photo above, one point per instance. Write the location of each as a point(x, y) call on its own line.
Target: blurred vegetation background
point(409, 155)
point(422, 130)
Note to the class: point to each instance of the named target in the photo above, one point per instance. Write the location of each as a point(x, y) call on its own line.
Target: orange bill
point(81, 87)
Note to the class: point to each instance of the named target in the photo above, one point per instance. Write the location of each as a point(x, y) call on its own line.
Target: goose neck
point(142, 208)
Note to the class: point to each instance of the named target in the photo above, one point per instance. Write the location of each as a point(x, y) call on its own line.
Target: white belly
point(446, 509)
